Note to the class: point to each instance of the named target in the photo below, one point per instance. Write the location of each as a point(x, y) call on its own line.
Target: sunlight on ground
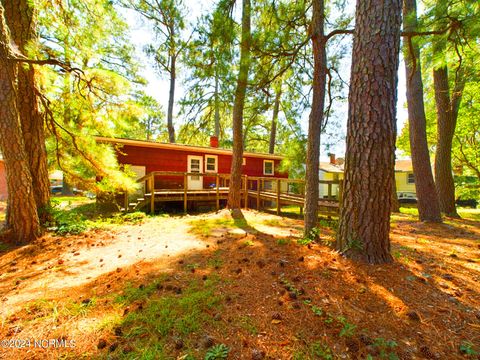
point(132, 286)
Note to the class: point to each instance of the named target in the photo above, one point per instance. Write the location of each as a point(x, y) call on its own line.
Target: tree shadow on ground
point(270, 297)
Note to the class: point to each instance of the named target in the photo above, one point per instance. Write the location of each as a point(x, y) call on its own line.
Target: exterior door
point(140, 171)
point(195, 165)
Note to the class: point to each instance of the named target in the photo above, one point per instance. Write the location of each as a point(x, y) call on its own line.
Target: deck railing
point(261, 189)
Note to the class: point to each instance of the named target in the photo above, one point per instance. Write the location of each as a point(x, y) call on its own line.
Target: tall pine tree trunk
point(22, 218)
point(446, 117)
point(21, 21)
point(234, 194)
point(171, 98)
point(446, 123)
point(428, 204)
point(316, 116)
point(273, 129)
point(370, 155)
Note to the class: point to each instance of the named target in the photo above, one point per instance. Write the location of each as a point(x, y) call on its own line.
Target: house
point(3, 180)
point(144, 157)
point(330, 171)
point(333, 170)
point(404, 179)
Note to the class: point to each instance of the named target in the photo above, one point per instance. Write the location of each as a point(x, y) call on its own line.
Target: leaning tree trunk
point(273, 128)
point(370, 154)
point(171, 98)
point(234, 194)
point(22, 218)
point(21, 21)
point(316, 116)
point(428, 204)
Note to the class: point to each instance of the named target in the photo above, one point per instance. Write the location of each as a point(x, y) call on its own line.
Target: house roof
point(400, 165)
point(331, 168)
point(192, 148)
point(403, 165)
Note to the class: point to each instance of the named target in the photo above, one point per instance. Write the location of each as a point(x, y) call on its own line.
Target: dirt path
point(54, 265)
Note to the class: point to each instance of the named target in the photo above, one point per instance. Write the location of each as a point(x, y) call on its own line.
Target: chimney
point(332, 158)
point(214, 141)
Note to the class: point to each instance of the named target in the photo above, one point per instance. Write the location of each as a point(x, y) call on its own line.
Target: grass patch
point(248, 324)
point(4, 247)
point(204, 227)
point(469, 214)
point(316, 350)
point(84, 216)
point(164, 316)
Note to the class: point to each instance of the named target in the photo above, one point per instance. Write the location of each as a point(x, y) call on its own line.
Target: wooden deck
point(257, 192)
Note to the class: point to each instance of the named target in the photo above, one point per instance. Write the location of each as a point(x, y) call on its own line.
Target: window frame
point(273, 167)
point(408, 178)
point(206, 163)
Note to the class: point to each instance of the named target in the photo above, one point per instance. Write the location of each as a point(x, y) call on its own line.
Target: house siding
point(158, 159)
point(401, 181)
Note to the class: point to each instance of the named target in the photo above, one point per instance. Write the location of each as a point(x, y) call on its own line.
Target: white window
point(268, 167)
point(211, 163)
point(410, 178)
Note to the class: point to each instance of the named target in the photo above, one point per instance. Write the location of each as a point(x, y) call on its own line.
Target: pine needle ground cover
point(209, 287)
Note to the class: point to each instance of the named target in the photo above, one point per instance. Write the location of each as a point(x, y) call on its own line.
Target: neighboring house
point(404, 179)
point(333, 170)
point(144, 157)
point(3, 180)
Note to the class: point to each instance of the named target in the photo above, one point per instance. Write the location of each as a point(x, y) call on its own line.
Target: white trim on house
point(215, 165)
point(264, 167)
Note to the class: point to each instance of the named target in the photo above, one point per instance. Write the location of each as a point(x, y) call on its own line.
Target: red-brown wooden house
point(144, 157)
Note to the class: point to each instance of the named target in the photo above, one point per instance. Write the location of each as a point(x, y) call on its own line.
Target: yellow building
point(333, 170)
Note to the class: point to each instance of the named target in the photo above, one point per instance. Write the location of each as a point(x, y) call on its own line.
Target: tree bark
point(395, 203)
point(21, 21)
point(171, 98)
point(446, 123)
point(427, 198)
point(446, 120)
point(370, 154)
point(22, 218)
point(234, 194)
point(316, 116)
point(273, 129)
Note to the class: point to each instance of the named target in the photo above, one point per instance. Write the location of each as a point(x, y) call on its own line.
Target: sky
point(158, 86)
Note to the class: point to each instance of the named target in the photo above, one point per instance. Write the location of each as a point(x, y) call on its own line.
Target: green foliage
point(348, 329)
point(468, 349)
point(248, 324)
point(386, 348)
point(316, 350)
point(312, 236)
point(217, 352)
point(165, 314)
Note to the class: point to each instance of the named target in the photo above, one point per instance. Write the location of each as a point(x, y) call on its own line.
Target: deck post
point(152, 195)
point(125, 200)
point(278, 196)
point(246, 192)
point(340, 193)
point(329, 191)
point(185, 188)
point(217, 186)
point(258, 194)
